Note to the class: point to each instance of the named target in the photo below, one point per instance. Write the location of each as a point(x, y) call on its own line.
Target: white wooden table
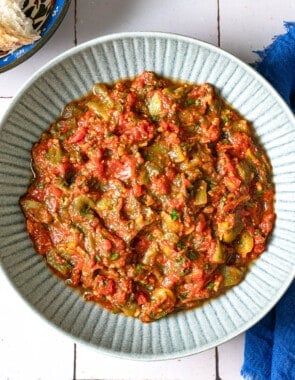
point(30, 348)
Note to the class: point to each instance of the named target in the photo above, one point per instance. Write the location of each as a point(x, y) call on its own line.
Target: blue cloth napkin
point(270, 344)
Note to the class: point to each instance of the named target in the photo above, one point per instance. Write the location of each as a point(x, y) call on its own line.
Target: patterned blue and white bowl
point(70, 76)
point(46, 16)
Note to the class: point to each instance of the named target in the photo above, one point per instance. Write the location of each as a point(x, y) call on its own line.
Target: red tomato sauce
point(149, 195)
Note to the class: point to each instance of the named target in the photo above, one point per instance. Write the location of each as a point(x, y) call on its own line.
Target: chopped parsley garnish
point(180, 245)
point(197, 127)
point(189, 102)
point(174, 214)
point(138, 269)
point(192, 255)
point(226, 118)
point(114, 256)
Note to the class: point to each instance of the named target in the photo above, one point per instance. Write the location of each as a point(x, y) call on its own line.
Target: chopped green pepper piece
point(219, 255)
point(232, 275)
point(155, 105)
point(245, 244)
point(201, 193)
point(210, 285)
point(58, 263)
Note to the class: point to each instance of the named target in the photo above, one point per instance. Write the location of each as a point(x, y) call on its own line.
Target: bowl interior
point(72, 75)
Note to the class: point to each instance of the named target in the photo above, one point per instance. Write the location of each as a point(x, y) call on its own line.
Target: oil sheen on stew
point(150, 196)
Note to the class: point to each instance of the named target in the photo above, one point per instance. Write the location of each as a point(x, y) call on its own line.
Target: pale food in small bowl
point(25, 26)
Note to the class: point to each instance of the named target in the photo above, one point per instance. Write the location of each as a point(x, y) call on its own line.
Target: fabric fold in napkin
point(270, 344)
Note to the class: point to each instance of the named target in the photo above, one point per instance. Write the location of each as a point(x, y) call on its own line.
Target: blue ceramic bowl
point(46, 16)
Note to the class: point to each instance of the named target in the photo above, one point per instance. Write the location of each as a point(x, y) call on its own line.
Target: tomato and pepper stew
point(150, 196)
